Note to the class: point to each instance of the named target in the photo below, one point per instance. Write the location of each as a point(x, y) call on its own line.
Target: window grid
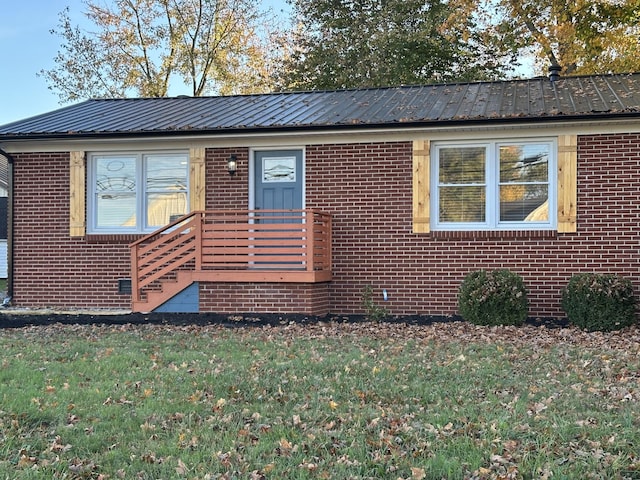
point(495, 186)
point(137, 198)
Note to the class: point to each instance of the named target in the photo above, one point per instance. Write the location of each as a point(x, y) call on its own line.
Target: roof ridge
point(515, 100)
point(365, 89)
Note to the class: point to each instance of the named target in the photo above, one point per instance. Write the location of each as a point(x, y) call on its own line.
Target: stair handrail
point(144, 241)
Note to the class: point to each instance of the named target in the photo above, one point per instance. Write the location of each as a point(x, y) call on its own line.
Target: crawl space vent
point(124, 286)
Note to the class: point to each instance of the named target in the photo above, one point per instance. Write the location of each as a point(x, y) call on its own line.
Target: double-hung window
point(495, 185)
point(137, 192)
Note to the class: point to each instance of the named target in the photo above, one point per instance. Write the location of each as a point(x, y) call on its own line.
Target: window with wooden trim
point(136, 192)
point(495, 185)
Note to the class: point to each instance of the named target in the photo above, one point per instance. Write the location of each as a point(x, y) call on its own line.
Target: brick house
point(296, 202)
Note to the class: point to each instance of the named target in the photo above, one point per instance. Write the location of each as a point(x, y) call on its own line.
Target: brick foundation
point(308, 299)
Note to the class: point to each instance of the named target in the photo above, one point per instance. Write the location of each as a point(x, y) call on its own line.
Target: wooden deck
point(292, 246)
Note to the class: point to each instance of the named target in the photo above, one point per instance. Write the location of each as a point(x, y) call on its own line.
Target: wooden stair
point(279, 246)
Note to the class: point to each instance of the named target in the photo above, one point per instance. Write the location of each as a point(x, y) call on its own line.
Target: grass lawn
point(326, 401)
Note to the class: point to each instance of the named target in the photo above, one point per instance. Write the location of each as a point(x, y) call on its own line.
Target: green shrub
point(374, 312)
point(599, 302)
point(496, 297)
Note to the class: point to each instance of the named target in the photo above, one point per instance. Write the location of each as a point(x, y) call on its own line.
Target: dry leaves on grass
point(625, 342)
point(402, 426)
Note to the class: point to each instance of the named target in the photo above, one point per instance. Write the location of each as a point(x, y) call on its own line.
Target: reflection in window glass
point(462, 165)
point(462, 204)
point(116, 210)
point(166, 172)
point(138, 192)
point(162, 208)
point(524, 182)
point(166, 183)
point(524, 203)
point(115, 191)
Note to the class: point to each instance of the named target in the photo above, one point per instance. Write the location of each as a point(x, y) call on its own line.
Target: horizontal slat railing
point(263, 239)
point(234, 246)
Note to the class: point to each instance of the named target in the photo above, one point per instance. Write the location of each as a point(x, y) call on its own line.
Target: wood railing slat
point(238, 240)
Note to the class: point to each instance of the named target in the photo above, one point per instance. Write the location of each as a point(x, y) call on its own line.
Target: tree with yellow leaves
point(139, 47)
point(578, 36)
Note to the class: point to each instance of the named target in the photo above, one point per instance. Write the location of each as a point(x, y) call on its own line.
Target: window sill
point(125, 238)
point(493, 234)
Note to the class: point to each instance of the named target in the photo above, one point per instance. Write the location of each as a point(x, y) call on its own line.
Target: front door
point(278, 180)
point(278, 186)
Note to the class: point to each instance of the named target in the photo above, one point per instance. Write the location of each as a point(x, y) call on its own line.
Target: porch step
point(169, 289)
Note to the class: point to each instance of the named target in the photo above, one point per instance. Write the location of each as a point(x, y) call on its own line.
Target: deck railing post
point(309, 218)
point(135, 290)
point(198, 246)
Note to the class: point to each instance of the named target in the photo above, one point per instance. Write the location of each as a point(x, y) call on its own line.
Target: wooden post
point(135, 289)
point(310, 224)
point(328, 241)
point(199, 217)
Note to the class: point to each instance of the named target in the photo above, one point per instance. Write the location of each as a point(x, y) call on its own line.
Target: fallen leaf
point(417, 473)
point(181, 469)
point(285, 444)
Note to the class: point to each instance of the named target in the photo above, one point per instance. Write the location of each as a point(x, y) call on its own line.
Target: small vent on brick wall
point(124, 286)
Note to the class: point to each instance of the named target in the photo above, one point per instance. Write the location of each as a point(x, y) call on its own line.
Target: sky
point(27, 46)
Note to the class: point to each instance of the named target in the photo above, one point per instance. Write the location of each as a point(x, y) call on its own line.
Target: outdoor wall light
point(232, 165)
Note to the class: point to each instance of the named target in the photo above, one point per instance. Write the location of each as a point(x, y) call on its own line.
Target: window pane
point(524, 163)
point(462, 165)
point(116, 210)
point(162, 208)
point(115, 191)
point(462, 204)
point(462, 191)
point(166, 183)
point(166, 173)
point(524, 190)
point(524, 203)
point(115, 174)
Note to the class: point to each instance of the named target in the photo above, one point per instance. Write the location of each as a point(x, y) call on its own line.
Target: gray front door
point(278, 180)
point(278, 186)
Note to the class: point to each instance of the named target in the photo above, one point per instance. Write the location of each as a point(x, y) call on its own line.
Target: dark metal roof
point(514, 100)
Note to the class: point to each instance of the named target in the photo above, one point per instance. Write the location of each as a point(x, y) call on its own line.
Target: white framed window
point(494, 185)
point(136, 192)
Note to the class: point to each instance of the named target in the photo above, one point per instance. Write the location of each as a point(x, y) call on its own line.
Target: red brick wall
point(367, 188)
point(309, 299)
point(223, 190)
point(52, 269)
